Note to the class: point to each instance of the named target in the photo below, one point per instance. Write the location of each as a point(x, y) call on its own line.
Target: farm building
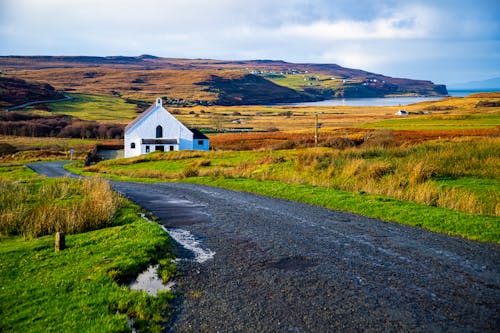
point(157, 130)
point(402, 113)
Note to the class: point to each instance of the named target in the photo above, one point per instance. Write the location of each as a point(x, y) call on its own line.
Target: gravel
point(282, 266)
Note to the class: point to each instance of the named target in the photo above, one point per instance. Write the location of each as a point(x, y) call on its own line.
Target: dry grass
point(159, 82)
point(42, 208)
point(418, 173)
point(339, 138)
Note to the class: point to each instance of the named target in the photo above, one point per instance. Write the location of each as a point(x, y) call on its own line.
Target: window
point(132, 145)
point(159, 148)
point(159, 131)
point(147, 149)
point(171, 148)
point(200, 142)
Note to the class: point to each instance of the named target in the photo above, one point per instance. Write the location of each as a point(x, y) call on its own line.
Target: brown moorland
point(145, 77)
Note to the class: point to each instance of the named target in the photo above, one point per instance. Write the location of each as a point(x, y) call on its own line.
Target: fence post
point(60, 241)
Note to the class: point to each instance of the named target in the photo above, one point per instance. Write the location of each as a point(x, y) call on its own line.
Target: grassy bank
point(452, 184)
point(80, 288)
point(437, 173)
point(35, 209)
point(472, 226)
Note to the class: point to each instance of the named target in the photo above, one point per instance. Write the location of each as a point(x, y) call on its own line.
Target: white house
point(157, 130)
point(401, 113)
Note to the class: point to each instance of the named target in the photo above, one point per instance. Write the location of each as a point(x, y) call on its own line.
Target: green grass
point(485, 189)
point(448, 186)
point(24, 142)
point(297, 81)
point(80, 289)
point(18, 172)
point(473, 226)
point(96, 107)
point(429, 122)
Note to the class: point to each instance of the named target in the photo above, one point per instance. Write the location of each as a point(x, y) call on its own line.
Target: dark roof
point(198, 135)
point(159, 141)
point(141, 116)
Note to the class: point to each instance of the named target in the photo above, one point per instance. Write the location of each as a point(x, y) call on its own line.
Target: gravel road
point(282, 266)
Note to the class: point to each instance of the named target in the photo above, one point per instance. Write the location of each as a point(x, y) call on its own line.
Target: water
point(188, 241)
point(380, 101)
point(150, 282)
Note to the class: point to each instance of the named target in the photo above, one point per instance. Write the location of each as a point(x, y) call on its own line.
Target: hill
point(204, 82)
point(489, 85)
point(17, 91)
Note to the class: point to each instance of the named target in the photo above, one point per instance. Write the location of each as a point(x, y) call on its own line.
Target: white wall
point(172, 129)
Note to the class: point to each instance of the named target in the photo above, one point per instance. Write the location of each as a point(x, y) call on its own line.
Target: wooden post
point(316, 129)
point(60, 241)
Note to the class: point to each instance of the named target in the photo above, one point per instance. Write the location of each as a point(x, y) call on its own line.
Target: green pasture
point(301, 81)
point(101, 108)
point(439, 122)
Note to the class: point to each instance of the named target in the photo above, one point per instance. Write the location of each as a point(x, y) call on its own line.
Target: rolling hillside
point(205, 82)
point(16, 91)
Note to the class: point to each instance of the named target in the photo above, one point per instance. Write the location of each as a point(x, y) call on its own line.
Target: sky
point(443, 41)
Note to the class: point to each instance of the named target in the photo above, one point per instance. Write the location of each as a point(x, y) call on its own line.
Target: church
point(157, 130)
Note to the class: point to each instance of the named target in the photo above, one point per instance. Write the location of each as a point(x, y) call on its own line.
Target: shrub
point(190, 171)
point(419, 171)
point(379, 138)
point(379, 169)
point(339, 143)
point(201, 163)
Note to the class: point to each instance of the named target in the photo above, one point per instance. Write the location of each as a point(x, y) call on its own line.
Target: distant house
point(157, 130)
point(402, 113)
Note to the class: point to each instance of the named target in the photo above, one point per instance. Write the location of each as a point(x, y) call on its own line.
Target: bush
point(339, 143)
point(190, 171)
point(383, 138)
point(5, 148)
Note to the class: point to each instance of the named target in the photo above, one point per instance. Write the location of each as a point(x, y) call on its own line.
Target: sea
point(380, 101)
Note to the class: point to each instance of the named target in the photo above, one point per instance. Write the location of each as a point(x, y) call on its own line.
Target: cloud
point(388, 36)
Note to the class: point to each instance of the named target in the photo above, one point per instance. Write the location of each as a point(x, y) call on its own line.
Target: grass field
point(453, 175)
point(100, 108)
point(309, 80)
point(131, 83)
point(452, 113)
point(82, 287)
point(33, 149)
point(446, 114)
point(440, 122)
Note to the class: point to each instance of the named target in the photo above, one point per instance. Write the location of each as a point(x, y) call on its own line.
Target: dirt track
point(282, 266)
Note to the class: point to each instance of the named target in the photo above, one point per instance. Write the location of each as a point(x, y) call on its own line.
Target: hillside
point(16, 91)
point(204, 82)
point(485, 85)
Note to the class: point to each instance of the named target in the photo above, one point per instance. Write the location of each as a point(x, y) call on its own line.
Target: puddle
point(293, 263)
point(188, 241)
point(130, 324)
point(150, 282)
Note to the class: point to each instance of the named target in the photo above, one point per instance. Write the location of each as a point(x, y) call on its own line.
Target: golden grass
point(159, 82)
point(42, 208)
point(418, 173)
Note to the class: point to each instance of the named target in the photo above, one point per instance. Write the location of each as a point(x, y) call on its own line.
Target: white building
point(157, 130)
